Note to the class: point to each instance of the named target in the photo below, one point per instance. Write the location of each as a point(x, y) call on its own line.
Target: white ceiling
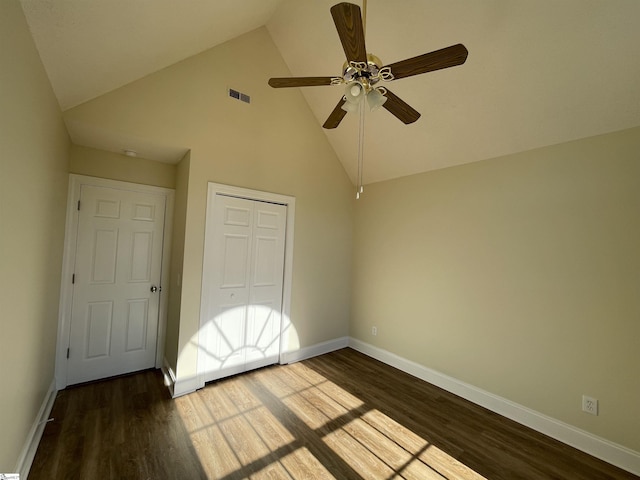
point(539, 72)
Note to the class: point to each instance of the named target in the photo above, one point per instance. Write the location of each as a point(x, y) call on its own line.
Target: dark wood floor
point(341, 415)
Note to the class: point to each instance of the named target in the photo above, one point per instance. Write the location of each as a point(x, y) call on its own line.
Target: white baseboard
point(185, 386)
point(315, 350)
point(177, 388)
point(169, 376)
point(25, 460)
point(598, 447)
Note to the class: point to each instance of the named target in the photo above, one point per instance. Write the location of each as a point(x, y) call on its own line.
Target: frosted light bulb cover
point(375, 99)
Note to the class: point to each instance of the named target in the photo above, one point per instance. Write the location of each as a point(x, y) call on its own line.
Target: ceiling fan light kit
point(376, 98)
point(351, 107)
point(360, 79)
point(354, 92)
point(363, 72)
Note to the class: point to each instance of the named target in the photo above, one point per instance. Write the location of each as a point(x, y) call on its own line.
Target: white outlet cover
point(590, 405)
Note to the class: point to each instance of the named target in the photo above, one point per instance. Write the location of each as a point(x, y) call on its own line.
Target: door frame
point(69, 258)
point(213, 190)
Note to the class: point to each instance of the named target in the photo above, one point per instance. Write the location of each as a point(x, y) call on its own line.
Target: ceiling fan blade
point(336, 116)
point(444, 58)
point(348, 20)
point(299, 82)
point(400, 108)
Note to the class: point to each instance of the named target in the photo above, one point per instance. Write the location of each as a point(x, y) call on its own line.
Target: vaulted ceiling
point(539, 72)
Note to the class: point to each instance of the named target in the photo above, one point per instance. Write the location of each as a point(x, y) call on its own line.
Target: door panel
point(114, 317)
point(141, 257)
point(144, 212)
point(266, 287)
point(107, 208)
point(237, 215)
point(246, 252)
point(225, 333)
point(104, 256)
point(234, 261)
point(137, 321)
point(98, 329)
point(266, 256)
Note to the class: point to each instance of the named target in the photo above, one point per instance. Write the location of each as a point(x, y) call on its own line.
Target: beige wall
point(273, 144)
point(102, 164)
point(519, 275)
point(33, 188)
point(177, 258)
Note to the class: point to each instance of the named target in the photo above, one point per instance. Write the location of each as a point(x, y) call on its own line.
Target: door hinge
point(78, 205)
point(73, 278)
point(68, 353)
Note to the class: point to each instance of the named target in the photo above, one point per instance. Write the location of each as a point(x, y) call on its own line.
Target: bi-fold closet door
point(242, 287)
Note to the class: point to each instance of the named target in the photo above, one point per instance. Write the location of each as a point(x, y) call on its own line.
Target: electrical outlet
point(374, 331)
point(590, 405)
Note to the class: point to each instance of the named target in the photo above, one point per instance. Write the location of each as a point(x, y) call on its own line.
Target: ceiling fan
point(363, 73)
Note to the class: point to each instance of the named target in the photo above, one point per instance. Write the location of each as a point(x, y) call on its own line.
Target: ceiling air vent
point(243, 97)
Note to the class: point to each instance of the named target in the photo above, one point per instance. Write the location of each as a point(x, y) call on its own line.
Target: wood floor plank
point(338, 416)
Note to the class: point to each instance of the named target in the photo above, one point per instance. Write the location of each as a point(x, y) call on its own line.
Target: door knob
point(154, 289)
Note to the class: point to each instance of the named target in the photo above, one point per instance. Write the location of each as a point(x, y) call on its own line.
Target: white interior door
point(114, 316)
point(245, 260)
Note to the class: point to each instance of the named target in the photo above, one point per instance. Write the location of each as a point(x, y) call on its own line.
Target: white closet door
point(265, 290)
point(244, 260)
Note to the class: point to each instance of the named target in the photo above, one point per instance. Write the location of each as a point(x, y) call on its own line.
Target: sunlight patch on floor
point(305, 465)
point(241, 419)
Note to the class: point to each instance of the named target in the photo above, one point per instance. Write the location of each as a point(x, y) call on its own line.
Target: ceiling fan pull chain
point(360, 187)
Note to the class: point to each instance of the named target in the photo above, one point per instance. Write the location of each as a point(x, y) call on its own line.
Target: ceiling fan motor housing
point(366, 74)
